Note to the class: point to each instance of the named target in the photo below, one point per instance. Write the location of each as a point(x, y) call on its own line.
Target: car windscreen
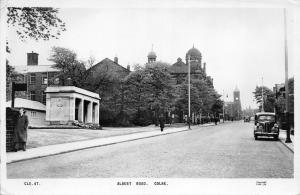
point(266, 118)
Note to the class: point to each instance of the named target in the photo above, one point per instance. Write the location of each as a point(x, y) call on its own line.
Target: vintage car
point(265, 124)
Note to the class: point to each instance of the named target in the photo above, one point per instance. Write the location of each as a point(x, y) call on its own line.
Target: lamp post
point(262, 95)
point(189, 90)
point(288, 138)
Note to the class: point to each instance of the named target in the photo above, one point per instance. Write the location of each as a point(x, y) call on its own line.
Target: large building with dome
point(179, 71)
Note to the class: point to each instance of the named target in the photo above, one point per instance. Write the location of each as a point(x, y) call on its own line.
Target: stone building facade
point(67, 104)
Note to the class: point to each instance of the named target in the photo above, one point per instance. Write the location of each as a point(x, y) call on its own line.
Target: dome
point(151, 54)
point(193, 52)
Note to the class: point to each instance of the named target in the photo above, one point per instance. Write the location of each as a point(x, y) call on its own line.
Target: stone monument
point(68, 104)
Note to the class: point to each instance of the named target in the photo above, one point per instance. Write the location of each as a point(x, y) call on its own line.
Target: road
point(223, 151)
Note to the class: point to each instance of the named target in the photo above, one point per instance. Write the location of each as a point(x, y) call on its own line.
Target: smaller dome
point(151, 54)
point(193, 52)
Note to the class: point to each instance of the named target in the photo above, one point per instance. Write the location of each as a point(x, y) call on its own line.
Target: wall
point(36, 118)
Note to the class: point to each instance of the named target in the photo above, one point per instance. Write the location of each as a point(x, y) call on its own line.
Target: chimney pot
point(116, 60)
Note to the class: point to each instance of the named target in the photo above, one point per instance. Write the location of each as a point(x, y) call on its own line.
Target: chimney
point(116, 60)
point(128, 67)
point(32, 59)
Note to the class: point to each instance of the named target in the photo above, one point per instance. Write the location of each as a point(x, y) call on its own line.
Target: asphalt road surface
point(223, 151)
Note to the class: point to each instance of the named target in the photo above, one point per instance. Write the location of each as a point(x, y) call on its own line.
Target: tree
point(268, 98)
point(71, 68)
point(32, 22)
point(35, 22)
point(280, 101)
point(147, 90)
point(90, 62)
point(204, 99)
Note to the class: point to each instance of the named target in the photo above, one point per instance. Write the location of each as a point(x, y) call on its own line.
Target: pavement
point(282, 138)
point(54, 149)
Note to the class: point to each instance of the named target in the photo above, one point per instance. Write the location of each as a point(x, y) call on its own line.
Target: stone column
point(72, 109)
point(97, 113)
point(93, 112)
point(80, 111)
point(89, 112)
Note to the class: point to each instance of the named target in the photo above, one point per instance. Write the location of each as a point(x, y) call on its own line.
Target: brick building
point(110, 67)
point(36, 76)
point(111, 94)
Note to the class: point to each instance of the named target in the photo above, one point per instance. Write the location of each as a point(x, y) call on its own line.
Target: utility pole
point(189, 89)
point(288, 138)
point(223, 106)
point(262, 94)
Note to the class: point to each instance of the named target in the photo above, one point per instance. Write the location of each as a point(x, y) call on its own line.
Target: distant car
point(265, 124)
point(247, 119)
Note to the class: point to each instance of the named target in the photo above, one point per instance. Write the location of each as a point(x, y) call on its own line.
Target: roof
point(29, 104)
point(107, 64)
point(193, 52)
point(179, 67)
point(71, 89)
point(35, 68)
point(151, 54)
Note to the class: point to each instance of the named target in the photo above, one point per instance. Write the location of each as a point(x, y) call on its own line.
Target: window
point(32, 95)
point(33, 114)
point(44, 79)
point(32, 78)
point(44, 98)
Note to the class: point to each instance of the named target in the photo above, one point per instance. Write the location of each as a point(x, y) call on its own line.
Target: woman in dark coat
point(161, 122)
point(20, 134)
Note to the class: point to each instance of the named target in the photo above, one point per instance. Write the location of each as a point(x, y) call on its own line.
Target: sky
point(239, 45)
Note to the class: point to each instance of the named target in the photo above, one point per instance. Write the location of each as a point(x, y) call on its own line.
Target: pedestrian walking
point(20, 131)
point(161, 122)
point(216, 120)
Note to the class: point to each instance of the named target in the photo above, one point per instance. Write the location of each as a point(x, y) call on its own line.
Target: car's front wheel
point(255, 137)
point(276, 137)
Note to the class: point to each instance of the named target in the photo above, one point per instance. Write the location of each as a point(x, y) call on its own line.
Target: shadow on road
point(266, 139)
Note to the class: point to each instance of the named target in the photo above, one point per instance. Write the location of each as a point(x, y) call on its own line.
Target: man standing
point(20, 134)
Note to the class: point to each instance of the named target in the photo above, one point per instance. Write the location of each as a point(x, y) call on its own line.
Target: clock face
point(236, 98)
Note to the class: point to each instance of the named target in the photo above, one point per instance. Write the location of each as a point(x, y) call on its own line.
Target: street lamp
point(223, 106)
point(288, 138)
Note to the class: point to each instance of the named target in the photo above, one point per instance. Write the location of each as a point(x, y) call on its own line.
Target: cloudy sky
point(239, 45)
